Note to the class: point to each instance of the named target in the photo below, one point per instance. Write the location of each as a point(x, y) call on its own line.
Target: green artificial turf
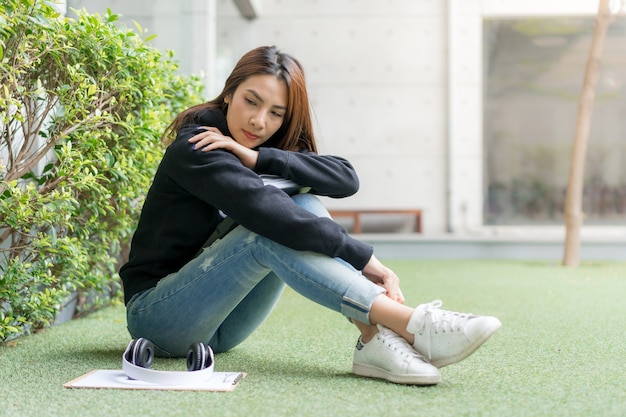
point(561, 351)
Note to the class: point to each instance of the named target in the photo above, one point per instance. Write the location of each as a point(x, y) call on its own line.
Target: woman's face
point(256, 110)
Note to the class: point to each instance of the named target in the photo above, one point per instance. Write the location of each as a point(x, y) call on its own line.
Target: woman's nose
point(258, 120)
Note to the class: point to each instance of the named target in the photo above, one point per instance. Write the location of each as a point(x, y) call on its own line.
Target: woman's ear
point(227, 99)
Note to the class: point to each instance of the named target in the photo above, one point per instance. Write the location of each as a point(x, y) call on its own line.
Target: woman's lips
point(250, 135)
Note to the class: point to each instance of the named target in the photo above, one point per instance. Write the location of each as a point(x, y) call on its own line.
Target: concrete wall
point(186, 27)
point(396, 85)
point(376, 76)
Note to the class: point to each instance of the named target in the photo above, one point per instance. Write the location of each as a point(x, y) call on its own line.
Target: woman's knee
point(311, 203)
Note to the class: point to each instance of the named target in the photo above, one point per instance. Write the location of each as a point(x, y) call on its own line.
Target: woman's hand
point(379, 274)
point(212, 139)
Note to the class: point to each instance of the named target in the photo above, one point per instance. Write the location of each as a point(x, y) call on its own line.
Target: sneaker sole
point(413, 379)
point(470, 349)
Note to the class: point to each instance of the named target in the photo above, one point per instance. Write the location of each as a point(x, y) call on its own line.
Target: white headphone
point(139, 354)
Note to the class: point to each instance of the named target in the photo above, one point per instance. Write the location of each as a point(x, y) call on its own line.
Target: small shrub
point(82, 106)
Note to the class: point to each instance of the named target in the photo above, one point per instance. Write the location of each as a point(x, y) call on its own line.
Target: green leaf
point(110, 16)
point(138, 26)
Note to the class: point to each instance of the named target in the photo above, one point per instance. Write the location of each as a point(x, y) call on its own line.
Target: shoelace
point(398, 343)
point(439, 320)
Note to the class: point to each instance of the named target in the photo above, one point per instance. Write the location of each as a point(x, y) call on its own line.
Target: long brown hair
point(296, 132)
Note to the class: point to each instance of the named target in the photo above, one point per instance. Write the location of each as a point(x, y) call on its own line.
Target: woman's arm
point(221, 180)
point(326, 175)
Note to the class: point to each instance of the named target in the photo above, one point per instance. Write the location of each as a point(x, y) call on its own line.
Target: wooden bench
point(356, 216)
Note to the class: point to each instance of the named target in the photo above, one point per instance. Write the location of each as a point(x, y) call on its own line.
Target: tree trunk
point(574, 198)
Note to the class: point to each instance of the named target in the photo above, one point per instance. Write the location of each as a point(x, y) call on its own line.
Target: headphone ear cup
point(199, 357)
point(129, 351)
point(142, 353)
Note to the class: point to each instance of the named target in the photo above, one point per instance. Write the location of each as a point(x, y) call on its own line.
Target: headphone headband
point(168, 378)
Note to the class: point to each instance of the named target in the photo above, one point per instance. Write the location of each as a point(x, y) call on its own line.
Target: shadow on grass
point(298, 370)
point(263, 362)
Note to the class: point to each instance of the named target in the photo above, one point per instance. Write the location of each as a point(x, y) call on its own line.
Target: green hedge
point(83, 104)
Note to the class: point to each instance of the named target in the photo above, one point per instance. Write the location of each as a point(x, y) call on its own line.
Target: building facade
point(462, 108)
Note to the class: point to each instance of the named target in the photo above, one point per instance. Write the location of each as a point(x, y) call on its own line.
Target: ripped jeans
point(221, 296)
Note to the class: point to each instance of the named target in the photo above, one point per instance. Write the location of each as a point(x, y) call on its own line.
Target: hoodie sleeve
point(327, 175)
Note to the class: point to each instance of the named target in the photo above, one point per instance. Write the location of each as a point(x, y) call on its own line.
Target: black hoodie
point(190, 187)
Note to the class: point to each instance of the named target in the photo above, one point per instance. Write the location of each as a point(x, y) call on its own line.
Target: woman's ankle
point(368, 331)
point(393, 315)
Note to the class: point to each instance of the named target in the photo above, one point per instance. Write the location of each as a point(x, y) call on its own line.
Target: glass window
point(533, 75)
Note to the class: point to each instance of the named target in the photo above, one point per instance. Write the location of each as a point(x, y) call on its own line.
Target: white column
point(198, 45)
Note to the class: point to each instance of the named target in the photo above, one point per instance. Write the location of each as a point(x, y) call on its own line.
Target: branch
point(52, 185)
point(26, 165)
point(32, 132)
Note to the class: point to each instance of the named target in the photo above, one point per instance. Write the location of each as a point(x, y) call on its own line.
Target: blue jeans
point(224, 294)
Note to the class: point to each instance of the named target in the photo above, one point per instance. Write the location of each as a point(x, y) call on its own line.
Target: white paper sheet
point(116, 379)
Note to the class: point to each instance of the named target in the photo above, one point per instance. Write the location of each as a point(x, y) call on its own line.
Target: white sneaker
point(389, 356)
point(445, 337)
